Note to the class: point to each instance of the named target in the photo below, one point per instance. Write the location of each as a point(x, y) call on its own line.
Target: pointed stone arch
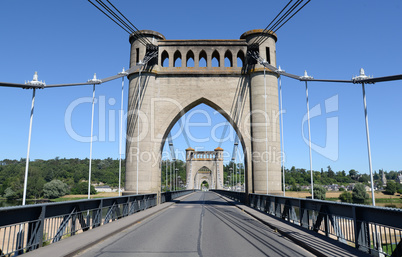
point(228, 58)
point(240, 58)
point(177, 59)
point(168, 93)
point(215, 56)
point(203, 59)
point(165, 57)
point(189, 56)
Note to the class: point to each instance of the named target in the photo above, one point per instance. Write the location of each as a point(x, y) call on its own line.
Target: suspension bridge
point(239, 78)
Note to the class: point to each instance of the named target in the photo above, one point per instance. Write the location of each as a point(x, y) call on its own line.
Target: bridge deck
point(202, 224)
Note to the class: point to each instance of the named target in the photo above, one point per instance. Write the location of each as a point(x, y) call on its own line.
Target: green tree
point(364, 178)
point(9, 193)
point(359, 194)
point(331, 173)
point(353, 173)
point(319, 192)
point(82, 189)
point(55, 188)
point(391, 187)
point(346, 197)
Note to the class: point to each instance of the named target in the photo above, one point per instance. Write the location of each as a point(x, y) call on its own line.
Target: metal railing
point(25, 228)
point(169, 196)
point(374, 230)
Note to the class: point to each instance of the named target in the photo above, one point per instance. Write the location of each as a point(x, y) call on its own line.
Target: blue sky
point(68, 41)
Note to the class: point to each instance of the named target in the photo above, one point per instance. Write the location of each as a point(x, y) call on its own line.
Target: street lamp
point(175, 180)
point(33, 82)
point(230, 172)
point(94, 81)
point(266, 121)
point(363, 76)
point(123, 73)
point(141, 64)
point(306, 78)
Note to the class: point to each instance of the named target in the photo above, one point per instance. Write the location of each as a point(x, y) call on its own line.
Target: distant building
point(383, 178)
point(106, 189)
point(399, 178)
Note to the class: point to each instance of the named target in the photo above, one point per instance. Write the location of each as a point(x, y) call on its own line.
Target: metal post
point(241, 177)
point(174, 175)
point(230, 177)
point(368, 143)
point(175, 180)
point(266, 125)
point(138, 124)
point(121, 132)
point(309, 142)
point(90, 148)
point(282, 142)
point(235, 176)
point(171, 188)
point(166, 176)
point(28, 149)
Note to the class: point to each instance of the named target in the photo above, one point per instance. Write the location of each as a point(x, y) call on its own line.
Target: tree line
point(296, 177)
point(45, 177)
point(48, 178)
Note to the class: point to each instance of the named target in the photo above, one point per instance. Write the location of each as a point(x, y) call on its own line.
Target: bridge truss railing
point(25, 228)
point(169, 196)
point(375, 230)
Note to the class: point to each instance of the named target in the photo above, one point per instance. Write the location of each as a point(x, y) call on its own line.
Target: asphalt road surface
point(203, 225)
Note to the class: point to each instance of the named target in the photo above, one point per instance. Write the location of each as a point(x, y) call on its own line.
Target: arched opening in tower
point(191, 152)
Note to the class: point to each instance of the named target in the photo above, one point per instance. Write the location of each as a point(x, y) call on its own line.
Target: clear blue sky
point(68, 41)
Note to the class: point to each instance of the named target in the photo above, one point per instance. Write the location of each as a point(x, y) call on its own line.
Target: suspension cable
point(280, 21)
point(109, 16)
point(149, 42)
point(266, 28)
point(288, 12)
point(108, 9)
point(292, 16)
point(275, 28)
point(120, 21)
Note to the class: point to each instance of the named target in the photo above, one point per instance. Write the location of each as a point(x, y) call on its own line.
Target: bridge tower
point(204, 166)
point(239, 91)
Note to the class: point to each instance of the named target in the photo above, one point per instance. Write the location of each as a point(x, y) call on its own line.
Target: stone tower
point(236, 87)
point(204, 166)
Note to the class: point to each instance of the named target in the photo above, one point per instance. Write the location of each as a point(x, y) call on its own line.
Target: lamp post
point(236, 175)
point(175, 180)
point(95, 81)
point(34, 82)
point(282, 142)
point(171, 180)
point(356, 79)
point(141, 64)
point(305, 78)
point(266, 126)
point(230, 172)
point(123, 73)
point(166, 176)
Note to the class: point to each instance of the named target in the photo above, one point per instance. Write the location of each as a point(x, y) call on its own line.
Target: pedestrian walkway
point(312, 241)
